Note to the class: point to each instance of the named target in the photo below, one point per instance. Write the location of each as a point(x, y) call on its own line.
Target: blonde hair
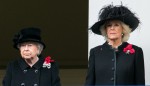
point(126, 31)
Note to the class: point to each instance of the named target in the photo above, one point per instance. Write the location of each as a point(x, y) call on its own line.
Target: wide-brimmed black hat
point(118, 12)
point(30, 34)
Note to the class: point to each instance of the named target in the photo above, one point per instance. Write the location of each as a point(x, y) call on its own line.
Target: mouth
point(27, 54)
point(112, 33)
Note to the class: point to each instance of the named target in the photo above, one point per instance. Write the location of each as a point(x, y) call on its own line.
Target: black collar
point(24, 65)
point(120, 48)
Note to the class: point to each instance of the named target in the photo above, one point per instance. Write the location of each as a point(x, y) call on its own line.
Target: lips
point(26, 54)
point(112, 33)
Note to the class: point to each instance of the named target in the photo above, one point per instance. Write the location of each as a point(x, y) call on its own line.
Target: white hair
point(39, 46)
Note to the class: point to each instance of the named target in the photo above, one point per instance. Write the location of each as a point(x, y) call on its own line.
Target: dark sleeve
point(55, 75)
point(90, 78)
point(139, 68)
point(7, 76)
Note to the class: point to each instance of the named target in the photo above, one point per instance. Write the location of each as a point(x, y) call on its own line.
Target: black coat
point(110, 67)
point(18, 73)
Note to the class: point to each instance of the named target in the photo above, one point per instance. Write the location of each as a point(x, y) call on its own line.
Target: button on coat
point(110, 67)
point(18, 73)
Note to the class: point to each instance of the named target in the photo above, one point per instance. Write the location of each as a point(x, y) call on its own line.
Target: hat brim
point(130, 20)
point(30, 40)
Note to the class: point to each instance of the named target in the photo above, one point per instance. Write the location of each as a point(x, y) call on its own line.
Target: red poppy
point(48, 60)
point(129, 49)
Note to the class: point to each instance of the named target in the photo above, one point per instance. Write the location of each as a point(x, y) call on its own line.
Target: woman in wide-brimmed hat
point(116, 62)
point(31, 69)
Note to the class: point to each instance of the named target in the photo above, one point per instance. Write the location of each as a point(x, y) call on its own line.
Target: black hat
point(119, 12)
point(30, 34)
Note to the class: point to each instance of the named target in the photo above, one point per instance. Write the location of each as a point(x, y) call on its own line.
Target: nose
point(26, 47)
point(112, 27)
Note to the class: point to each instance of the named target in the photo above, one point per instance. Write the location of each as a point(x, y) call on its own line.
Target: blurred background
point(64, 26)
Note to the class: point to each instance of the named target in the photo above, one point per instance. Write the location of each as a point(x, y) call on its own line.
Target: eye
point(108, 25)
point(22, 45)
point(116, 24)
point(30, 45)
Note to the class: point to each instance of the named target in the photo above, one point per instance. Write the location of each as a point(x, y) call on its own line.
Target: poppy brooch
point(129, 49)
point(47, 62)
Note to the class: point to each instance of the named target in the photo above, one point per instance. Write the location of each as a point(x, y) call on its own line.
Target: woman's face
point(114, 30)
point(28, 50)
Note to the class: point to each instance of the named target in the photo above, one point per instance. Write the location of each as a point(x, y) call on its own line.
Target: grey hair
point(126, 32)
point(39, 46)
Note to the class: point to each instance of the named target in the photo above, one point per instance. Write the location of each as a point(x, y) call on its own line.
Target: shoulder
point(100, 47)
point(54, 65)
point(125, 44)
point(12, 65)
point(13, 62)
point(136, 47)
point(97, 47)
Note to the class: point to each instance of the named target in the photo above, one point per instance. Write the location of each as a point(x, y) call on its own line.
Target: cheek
point(107, 31)
point(35, 51)
point(120, 32)
point(21, 52)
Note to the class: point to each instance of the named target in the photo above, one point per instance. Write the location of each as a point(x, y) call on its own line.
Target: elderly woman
point(116, 62)
point(31, 69)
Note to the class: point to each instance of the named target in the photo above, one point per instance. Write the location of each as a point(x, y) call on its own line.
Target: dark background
point(63, 23)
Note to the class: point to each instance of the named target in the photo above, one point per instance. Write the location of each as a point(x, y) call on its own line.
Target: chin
point(27, 57)
point(113, 38)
